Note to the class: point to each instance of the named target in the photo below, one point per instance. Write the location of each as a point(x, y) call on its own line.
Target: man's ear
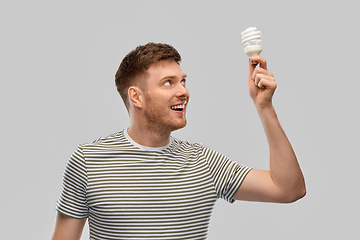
point(135, 95)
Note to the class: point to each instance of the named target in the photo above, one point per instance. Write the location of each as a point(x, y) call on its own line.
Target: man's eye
point(183, 82)
point(167, 83)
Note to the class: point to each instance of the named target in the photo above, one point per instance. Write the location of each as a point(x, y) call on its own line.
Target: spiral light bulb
point(251, 38)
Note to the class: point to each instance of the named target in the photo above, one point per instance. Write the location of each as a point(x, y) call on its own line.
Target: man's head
point(133, 68)
point(153, 88)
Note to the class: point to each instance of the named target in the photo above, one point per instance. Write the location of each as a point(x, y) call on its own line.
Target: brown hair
point(138, 61)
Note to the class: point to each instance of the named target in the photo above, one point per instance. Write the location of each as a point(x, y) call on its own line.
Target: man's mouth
point(178, 107)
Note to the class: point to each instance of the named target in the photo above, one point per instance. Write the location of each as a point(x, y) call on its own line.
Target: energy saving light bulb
point(251, 38)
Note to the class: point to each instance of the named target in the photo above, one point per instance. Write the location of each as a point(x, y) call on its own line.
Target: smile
point(178, 107)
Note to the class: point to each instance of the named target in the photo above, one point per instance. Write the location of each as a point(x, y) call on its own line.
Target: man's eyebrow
point(173, 76)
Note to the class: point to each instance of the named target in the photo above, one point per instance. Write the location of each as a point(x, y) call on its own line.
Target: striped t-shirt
point(132, 192)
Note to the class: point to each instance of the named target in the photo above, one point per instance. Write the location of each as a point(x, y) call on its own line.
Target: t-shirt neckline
point(142, 147)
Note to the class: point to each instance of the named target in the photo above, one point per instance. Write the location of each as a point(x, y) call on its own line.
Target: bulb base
point(253, 50)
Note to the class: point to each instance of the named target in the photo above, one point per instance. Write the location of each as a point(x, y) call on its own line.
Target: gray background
point(58, 61)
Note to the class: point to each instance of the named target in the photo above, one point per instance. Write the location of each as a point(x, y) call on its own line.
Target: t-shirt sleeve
point(227, 175)
point(72, 200)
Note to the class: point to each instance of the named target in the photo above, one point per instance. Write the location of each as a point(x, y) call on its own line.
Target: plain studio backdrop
point(58, 61)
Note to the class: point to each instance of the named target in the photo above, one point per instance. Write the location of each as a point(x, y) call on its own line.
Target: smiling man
point(142, 183)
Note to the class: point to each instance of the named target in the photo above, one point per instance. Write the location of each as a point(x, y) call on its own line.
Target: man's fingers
point(262, 61)
point(268, 84)
point(259, 76)
point(259, 70)
point(262, 68)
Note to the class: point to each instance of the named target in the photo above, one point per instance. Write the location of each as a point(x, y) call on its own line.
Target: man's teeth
point(178, 106)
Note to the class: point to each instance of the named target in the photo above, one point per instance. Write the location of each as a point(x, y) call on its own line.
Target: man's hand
point(261, 83)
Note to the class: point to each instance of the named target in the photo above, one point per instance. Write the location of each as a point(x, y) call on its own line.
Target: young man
point(141, 183)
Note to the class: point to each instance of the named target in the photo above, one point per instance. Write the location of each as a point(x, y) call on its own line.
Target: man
point(141, 183)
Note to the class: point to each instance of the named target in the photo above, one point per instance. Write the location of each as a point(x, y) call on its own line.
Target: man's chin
point(180, 125)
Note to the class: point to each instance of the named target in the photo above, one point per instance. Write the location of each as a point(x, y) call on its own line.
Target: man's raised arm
point(284, 182)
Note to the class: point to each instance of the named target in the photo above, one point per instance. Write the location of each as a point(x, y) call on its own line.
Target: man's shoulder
point(115, 139)
point(185, 144)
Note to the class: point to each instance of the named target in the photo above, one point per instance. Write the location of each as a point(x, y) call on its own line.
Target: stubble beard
point(161, 120)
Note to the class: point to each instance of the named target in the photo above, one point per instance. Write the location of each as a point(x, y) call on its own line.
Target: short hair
point(136, 62)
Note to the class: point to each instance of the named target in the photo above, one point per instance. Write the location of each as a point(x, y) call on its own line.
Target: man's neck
point(148, 138)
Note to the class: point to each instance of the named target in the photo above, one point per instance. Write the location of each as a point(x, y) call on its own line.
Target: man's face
point(166, 97)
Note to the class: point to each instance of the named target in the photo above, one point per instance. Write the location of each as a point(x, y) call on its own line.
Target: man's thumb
point(252, 67)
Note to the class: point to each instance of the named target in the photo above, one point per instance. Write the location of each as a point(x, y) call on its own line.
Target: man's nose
point(182, 91)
